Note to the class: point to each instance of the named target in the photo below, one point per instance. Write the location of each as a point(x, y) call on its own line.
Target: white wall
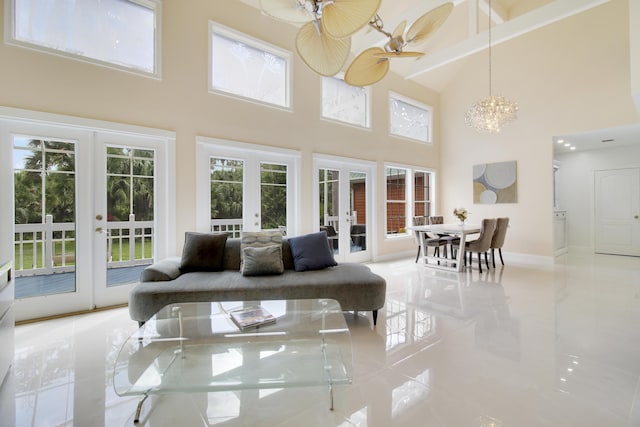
point(576, 188)
point(571, 76)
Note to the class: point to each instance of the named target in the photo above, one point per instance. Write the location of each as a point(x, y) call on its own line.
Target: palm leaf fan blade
point(428, 23)
point(323, 54)
point(367, 68)
point(344, 17)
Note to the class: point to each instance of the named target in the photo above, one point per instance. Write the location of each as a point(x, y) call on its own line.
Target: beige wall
point(180, 102)
point(571, 76)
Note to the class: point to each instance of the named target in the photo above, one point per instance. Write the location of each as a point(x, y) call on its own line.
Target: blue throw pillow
point(311, 252)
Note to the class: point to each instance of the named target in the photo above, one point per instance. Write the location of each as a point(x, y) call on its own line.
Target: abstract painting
point(494, 183)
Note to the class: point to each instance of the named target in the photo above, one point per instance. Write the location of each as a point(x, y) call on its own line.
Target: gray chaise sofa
point(353, 285)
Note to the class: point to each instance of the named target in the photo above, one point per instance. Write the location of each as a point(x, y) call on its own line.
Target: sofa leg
point(375, 317)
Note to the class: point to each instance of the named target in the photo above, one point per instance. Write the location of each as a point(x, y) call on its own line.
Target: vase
point(460, 222)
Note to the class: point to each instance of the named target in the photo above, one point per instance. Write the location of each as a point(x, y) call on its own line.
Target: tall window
point(409, 118)
point(118, 33)
point(345, 103)
point(396, 200)
point(409, 192)
point(248, 68)
point(421, 193)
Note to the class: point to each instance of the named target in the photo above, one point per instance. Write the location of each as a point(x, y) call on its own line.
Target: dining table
point(439, 262)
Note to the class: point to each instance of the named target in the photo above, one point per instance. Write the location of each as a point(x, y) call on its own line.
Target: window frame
point(367, 110)
point(154, 5)
point(409, 200)
point(230, 33)
point(416, 104)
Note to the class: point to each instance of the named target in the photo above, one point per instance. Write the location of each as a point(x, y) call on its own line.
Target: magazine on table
point(252, 317)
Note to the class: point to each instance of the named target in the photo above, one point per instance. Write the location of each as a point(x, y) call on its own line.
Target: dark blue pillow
point(311, 252)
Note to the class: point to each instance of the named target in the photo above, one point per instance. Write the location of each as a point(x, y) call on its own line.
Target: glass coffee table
point(196, 347)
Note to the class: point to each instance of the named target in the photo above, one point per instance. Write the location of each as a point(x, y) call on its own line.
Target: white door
point(54, 178)
point(128, 215)
point(343, 206)
point(245, 187)
point(617, 211)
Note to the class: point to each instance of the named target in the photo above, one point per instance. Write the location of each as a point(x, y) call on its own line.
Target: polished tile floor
point(521, 345)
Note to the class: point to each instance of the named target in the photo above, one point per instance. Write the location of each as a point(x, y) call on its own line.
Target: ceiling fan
point(324, 41)
point(372, 64)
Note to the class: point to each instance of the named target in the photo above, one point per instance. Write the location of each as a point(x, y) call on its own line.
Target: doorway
point(87, 211)
point(343, 206)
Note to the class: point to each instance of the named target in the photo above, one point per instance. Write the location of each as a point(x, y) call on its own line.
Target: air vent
point(607, 140)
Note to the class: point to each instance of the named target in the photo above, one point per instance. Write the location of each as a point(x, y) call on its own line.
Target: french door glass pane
point(45, 216)
point(226, 177)
point(273, 196)
point(329, 193)
point(358, 202)
point(130, 212)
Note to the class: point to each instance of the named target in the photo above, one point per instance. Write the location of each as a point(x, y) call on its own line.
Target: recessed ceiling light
point(567, 145)
point(560, 141)
point(572, 148)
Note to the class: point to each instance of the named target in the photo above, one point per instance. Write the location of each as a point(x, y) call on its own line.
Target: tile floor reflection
point(521, 345)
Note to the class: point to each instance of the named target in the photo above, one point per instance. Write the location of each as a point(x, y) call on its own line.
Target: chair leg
point(493, 257)
point(500, 252)
point(479, 262)
point(486, 260)
point(418, 255)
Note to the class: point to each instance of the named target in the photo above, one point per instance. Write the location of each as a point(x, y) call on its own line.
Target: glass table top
point(197, 347)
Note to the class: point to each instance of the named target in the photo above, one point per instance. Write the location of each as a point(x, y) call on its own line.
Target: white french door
point(343, 195)
point(55, 219)
point(617, 211)
point(246, 187)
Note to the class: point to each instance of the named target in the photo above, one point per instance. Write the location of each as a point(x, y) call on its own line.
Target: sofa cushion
point(260, 261)
point(258, 239)
point(203, 251)
point(311, 252)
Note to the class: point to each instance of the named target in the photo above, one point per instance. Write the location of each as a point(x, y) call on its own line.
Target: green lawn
point(28, 253)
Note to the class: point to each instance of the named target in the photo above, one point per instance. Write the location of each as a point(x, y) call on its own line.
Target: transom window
point(118, 33)
point(345, 103)
point(248, 68)
point(409, 118)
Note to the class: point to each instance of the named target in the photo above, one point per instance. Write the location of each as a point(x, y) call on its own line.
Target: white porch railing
point(48, 248)
point(231, 226)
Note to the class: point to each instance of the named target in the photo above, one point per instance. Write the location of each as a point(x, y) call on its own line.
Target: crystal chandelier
point(494, 112)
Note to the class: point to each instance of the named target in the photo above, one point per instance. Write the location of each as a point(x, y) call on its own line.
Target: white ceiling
point(465, 33)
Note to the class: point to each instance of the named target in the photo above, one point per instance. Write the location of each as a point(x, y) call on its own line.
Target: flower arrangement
point(461, 214)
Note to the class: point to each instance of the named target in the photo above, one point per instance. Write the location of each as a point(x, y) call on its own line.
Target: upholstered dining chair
point(429, 241)
point(451, 241)
point(482, 244)
point(498, 239)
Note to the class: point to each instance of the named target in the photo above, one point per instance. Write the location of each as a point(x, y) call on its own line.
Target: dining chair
point(451, 241)
point(498, 239)
point(482, 244)
point(429, 241)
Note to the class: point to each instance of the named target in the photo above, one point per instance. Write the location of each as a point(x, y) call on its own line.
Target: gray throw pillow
point(203, 251)
point(311, 252)
point(257, 239)
point(260, 261)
